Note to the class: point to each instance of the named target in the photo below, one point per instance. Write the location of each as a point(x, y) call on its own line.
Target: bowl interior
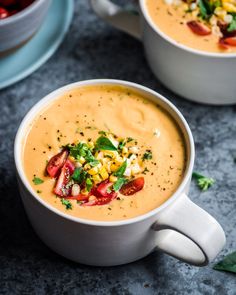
point(147, 93)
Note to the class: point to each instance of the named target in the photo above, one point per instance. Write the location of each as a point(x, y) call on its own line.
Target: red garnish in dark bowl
point(199, 28)
point(11, 7)
point(3, 13)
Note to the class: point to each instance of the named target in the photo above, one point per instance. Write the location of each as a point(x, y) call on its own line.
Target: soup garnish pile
point(11, 7)
point(93, 172)
point(212, 20)
point(104, 152)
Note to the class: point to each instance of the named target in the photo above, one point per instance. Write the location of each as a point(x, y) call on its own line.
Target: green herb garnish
point(37, 180)
point(121, 144)
point(66, 203)
point(203, 9)
point(89, 184)
point(147, 155)
point(227, 264)
point(119, 183)
point(203, 182)
point(79, 175)
point(232, 25)
point(121, 170)
point(104, 143)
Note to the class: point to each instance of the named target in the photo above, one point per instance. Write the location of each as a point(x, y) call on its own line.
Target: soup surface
point(82, 115)
point(206, 25)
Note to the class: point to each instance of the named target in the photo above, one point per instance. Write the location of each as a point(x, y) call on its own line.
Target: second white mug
point(196, 75)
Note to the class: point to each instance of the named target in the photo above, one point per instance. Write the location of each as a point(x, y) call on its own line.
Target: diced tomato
point(61, 189)
point(102, 195)
point(132, 187)
point(80, 197)
point(230, 41)
point(222, 44)
point(102, 190)
point(7, 2)
point(90, 203)
point(199, 28)
point(98, 201)
point(224, 29)
point(3, 13)
point(56, 163)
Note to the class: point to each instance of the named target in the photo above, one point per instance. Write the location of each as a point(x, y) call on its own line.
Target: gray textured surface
point(92, 49)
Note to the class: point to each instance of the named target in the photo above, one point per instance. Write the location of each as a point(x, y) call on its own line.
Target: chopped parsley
point(119, 183)
point(147, 155)
point(121, 170)
point(79, 175)
point(66, 203)
point(89, 184)
point(232, 25)
point(37, 180)
point(204, 183)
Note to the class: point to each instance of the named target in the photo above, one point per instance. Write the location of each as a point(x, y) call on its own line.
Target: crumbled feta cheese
point(228, 18)
point(133, 149)
point(127, 172)
point(75, 190)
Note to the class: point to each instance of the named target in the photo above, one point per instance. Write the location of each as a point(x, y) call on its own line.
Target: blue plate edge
point(45, 57)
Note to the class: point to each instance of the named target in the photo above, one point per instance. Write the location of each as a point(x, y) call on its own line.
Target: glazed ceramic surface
point(19, 28)
point(178, 227)
point(196, 75)
point(27, 59)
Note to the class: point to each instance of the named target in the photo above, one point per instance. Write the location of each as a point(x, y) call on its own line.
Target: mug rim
point(43, 102)
point(21, 14)
point(156, 29)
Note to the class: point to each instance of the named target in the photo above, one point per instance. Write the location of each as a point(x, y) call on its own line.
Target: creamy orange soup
point(172, 20)
point(81, 114)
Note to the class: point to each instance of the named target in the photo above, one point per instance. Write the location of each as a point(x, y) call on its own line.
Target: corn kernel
point(113, 154)
point(114, 167)
point(93, 171)
point(103, 173)
point(220, 12)
point(82, 160)
point(96, 178)
point(124, 150)
point(90, 144)
point(75, 190)
point(71, 158)
point(229, 7)
point(87, 166)
point(113, 178)
point(119, 160)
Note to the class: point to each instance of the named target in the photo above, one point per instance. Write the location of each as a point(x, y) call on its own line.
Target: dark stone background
point(92, 49)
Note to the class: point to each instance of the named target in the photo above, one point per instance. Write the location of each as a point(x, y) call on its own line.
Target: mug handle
point(189, 233)
point(117, 17)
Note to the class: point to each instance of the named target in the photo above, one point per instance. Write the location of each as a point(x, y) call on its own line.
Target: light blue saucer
point(41, 47)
